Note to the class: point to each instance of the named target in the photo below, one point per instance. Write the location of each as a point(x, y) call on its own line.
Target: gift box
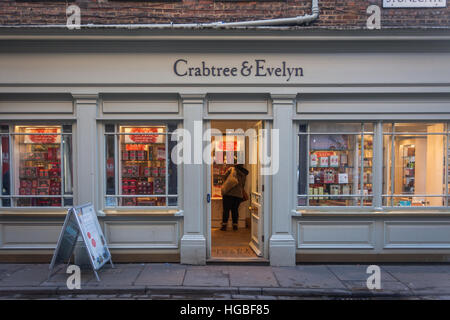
point(43, 191)
point(43, 183)
point(129, 201)
point(125, 156)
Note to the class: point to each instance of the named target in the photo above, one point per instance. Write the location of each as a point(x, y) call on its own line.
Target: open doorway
point(242, 238)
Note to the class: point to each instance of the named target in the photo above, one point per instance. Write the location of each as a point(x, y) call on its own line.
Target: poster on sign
point(82, 221)
point(144, 135)
point(42, 135)
point(93, 236)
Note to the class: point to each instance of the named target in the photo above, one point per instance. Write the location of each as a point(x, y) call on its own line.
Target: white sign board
point(414, 3)
point(93, 236)
point(82, 221)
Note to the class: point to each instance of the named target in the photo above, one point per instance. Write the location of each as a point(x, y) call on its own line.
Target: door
point(257, 191)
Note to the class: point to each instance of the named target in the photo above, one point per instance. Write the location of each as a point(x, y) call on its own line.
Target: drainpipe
point(255, 23)
point(273, 22)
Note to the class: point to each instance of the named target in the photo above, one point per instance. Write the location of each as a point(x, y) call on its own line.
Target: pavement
point(176, 281)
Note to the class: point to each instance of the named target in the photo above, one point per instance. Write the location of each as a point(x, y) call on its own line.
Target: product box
point(334, 189)
point(128, 202)
point(161, 153)
point(132, 155)
point(314, 161)
point(311, 179)
point(43, 191)
point(334, 161)
point(141, 155)
point(344, 159)
point(342, 178)
point(345, 189)
point(43, 173)
point(125, 156)
point(324, 161)
point(43, 183)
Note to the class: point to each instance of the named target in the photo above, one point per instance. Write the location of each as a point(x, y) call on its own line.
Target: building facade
point(354, 124)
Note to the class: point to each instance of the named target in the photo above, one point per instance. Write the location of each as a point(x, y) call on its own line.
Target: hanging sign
point(414, 3)
point(82, 221)
point(140, 135)
point(45, 137)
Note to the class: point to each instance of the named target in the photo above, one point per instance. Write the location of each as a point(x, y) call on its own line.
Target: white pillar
point(282, 243)
point(86, 159)
point(193, 242)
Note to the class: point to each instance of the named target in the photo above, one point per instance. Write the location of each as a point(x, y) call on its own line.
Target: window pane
point(334, 169)
point(68, 167)
point(416, 175)
point(5, 183)
point(110, 165)
point(331, 127)
point(143, 168)
point(38, 163)
point(172, 170)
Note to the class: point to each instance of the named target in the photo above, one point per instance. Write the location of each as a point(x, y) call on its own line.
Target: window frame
point(391, 170)
point(13, 197)
point(103, 196)
point(361, 197)
point(378, 167)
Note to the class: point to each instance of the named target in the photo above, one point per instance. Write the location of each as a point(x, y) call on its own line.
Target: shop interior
point(225, 152)
point(417, 177)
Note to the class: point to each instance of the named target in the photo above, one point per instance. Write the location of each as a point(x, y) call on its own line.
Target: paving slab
point(59, 279)
point(121, 275)
point(313, 276)
point(421, 277)
point(7, 269)
point(161, 274)
point(29, 275)
point(386, 286)
point(252, 276)
point(206, 277)
point(356, 272)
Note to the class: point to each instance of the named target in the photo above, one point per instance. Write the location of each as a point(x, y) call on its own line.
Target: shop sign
point(414, 3)
point(46, 136)
point(82, 221)
point(139, 135)
point(260, 68)
point(228, 146)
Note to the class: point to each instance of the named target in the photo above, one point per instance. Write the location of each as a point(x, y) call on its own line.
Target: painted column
point(86, 160)
point(193, 242)
point(282, 243)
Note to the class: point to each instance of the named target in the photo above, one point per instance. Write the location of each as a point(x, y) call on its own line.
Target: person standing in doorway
point(233, 194)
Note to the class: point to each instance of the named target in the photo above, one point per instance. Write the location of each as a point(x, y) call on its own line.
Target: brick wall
point(333, 13)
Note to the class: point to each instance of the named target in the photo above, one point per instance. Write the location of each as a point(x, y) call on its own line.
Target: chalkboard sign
point(82, 221)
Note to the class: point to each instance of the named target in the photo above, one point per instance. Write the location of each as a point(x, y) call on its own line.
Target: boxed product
point(342, 178)
point(334, 189)
point(161, 153)
point(314, 161)
point(344, 159)
point(311, 179)
point(125, 156)
point(43, 173)
point(141, 155)
point(129, 202)
point(334, 161)
point(43, 183)
point(324, 161)
point(43, 191)
point(132, 155)
point(329, 176)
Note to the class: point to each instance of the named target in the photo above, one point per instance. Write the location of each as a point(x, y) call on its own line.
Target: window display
point(144, 167)
point(414, 160)
point(40, 177)
point(339, 164)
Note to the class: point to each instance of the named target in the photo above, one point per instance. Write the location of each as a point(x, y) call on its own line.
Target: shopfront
point(351, 138)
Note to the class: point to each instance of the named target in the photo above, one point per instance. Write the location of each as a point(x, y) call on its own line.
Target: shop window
point(415, 162)
point(36, 166)
point(139, 170)
point(337, 158)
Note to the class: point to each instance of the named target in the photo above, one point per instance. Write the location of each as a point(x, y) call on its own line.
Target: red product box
point(43, 183)
point(53, 173)
point(34, 183)
point(129, 201)
point(141, 155)
point(33, 191)
point(132, 155)
point(43, 191)
point(43, 173)
point(125, 156)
